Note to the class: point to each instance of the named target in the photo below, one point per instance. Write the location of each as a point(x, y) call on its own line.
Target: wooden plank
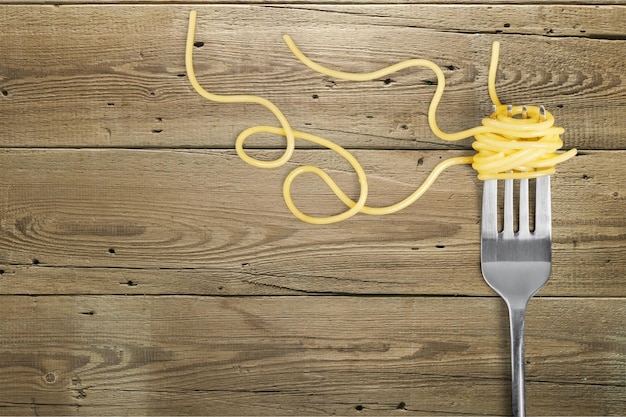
point(106, 76)
point(312, 2)
point(204, 222)
point(305, 356)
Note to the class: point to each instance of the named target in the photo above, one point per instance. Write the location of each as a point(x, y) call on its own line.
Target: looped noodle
point(507, 147)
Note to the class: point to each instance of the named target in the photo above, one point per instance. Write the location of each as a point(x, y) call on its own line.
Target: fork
point(516, 264)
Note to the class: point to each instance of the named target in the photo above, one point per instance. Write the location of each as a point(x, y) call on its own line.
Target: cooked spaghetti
point(514, 142)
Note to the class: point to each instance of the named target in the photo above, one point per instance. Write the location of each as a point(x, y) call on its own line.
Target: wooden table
point(145, 269)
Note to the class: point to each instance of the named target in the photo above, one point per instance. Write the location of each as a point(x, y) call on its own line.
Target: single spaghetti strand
point(354, 206)
point(238, 99)
point(368, 76)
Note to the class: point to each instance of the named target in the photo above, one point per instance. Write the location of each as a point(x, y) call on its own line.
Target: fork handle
point(516, 318)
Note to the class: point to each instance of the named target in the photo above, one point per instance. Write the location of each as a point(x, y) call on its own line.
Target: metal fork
point(516, 264)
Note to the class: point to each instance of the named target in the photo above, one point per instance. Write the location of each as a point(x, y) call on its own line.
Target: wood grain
point(211, 224)
point(69, 80)
point(304, 355)
point(146, 270)
point(310, 2)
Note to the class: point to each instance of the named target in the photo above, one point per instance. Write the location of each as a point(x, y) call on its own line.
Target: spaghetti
point(507, 146)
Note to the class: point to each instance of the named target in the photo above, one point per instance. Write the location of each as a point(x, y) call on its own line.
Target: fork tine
point(507, 230)
point(523, 228)
point(489, 223)
point(543, 210)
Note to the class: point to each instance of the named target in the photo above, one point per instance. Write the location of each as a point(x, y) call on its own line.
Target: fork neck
point(517, 318)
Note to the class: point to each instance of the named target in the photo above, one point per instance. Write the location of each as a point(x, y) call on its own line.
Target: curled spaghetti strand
point(507, 146)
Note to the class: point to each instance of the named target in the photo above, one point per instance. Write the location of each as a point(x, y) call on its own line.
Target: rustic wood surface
point(146, 270)
point(304, 355)
point(71, 80)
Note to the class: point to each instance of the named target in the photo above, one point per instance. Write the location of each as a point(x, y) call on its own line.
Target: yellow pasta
point(507, 146)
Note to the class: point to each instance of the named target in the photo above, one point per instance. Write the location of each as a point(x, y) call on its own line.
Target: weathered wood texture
point(141, 276)
point(314, 2)
point(211, 224)
point(69, 79)
point(304, 356)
